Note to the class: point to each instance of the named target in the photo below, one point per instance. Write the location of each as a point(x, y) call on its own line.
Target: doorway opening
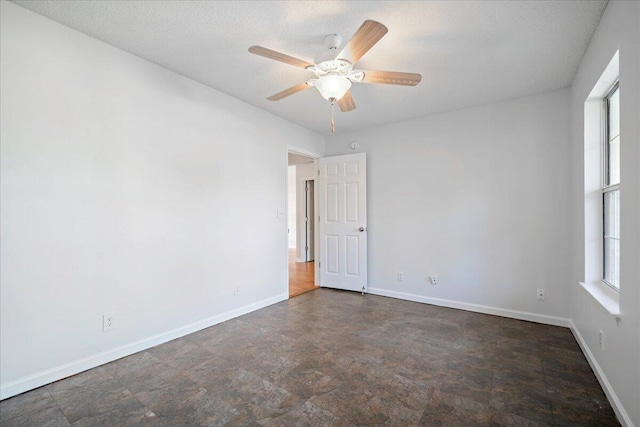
point(301, 228)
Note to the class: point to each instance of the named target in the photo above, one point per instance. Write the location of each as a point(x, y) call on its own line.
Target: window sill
point(607, 297)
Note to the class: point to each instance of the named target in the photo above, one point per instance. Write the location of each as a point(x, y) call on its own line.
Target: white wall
point(126, 188)
point(479, 197)
point(618, 365)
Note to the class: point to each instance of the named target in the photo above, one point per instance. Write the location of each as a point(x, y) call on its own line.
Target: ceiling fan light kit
point(334, 71)
point(333, 87)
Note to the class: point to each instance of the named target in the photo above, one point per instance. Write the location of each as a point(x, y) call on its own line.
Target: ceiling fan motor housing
point(332, 41)
point(333, 66)
point(331, 48)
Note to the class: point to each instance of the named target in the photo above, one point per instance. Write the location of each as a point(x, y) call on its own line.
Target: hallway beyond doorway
point(301, 276)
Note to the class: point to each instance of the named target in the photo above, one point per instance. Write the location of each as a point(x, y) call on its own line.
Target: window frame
point(606, 187)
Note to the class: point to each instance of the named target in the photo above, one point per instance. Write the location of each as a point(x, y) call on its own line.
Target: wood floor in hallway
point(301, 276)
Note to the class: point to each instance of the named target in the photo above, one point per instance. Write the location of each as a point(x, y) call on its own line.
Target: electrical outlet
point(236, 289)
point(601, 340)
point(400, 276)
point(541, 295)
point(108, 321)
point(434, 280)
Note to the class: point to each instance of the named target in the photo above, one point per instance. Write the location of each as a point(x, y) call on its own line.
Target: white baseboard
point(54, 374)
point(622, 415)
point(504, 312)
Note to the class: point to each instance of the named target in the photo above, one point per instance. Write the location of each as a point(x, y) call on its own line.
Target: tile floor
point(336, 358)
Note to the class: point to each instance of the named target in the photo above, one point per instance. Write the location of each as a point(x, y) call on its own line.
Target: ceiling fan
point(334, 71)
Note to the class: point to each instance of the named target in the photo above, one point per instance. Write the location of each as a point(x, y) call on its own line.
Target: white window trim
point(607, 297)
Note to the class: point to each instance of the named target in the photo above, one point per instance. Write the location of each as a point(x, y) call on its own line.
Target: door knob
point(361, 229)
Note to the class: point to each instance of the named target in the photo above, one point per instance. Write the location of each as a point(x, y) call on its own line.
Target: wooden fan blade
point(369, 33)
point(272, 54)
point(391, 78)
point(346, 103)
point(294, 89)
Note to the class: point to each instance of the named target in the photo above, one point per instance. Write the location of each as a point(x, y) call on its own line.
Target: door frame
point(308, 182)
point(316, 271)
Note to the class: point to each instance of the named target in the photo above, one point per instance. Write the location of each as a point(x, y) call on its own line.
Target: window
point(611, 187)
point(602, 190)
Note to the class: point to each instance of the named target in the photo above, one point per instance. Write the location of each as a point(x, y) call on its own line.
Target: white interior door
point(343, 222)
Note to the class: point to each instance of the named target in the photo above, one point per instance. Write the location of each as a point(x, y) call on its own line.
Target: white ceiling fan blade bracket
point(312, 82)
point(315, 70)
point(356, 76)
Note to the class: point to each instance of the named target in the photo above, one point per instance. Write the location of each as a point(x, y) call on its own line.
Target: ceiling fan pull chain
point(333, 125)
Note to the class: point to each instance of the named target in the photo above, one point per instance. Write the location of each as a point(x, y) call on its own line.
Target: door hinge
point(318, 172)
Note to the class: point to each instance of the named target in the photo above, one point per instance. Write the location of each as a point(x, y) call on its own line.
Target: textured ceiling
point(469, 52)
